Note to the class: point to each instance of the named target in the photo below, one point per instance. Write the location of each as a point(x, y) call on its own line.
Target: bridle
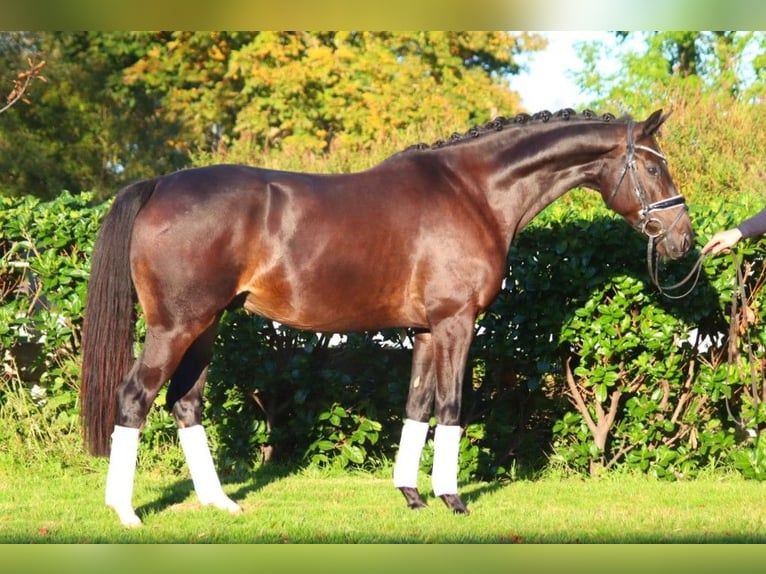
point(650, 226)
point(653, 228)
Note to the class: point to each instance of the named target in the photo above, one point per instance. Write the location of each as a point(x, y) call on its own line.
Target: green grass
point(49, 504)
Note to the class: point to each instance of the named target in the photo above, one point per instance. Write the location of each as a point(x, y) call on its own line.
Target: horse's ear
point(654, 121)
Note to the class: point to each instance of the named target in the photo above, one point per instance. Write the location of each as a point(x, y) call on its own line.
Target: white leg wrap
point(408, 458)
point(446, 449)
point(206, 484)
point(122, 471)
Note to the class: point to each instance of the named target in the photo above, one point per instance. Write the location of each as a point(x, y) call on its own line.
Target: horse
point(418, 241)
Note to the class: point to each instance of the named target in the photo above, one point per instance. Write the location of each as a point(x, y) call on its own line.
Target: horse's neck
point(529, 173)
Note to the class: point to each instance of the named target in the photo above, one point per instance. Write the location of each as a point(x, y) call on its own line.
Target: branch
point(685, 395)
point(620, 454)
point(22, 82)
point(613, 408)
point(577, 397)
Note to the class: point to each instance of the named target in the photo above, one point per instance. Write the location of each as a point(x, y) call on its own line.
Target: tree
point(86, 131)
point(312, 91)
point(120, 106)
point(723, 63)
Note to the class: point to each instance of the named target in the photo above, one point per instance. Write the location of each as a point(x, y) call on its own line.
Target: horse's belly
point(334, 307)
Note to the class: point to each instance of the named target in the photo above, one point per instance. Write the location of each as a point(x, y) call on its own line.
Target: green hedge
point(45, 252)
point(626, 383)
point(579, 366)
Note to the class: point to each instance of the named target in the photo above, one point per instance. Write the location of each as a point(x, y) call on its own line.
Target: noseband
point(650, 226)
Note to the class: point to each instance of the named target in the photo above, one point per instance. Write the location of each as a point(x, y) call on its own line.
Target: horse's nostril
point(688, 242)
point(684, 244)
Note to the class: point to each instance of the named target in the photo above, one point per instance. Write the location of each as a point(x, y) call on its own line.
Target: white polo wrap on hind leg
point(206, 483)
point(446, 449)
point(408, 458)
point(122, 471)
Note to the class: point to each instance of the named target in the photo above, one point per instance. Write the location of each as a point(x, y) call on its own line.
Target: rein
point(693, 275)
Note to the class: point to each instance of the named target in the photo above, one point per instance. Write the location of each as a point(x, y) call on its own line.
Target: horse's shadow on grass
point(182, 489)
point(472, 494)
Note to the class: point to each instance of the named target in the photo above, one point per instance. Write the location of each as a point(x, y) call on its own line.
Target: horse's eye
point(652, 169)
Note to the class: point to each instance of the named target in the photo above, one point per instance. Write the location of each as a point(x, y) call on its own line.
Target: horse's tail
point(109, 325)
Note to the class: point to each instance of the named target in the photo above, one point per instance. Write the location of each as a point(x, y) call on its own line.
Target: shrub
point(44, 252)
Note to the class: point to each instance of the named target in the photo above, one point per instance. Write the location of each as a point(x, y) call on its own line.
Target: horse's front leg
point(451, 341)
point(420, 400)
point(438, 366)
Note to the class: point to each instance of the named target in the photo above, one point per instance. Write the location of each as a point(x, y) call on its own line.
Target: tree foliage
point(671, 65)
point(314, 91)
point(119, 106)
point(85, 130)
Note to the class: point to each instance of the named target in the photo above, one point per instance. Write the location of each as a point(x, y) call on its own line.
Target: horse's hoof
point(454, 503)
point(224, 503)
point(128, 517)
point(412, 496)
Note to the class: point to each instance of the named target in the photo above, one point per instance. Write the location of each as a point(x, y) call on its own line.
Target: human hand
point(722, 241)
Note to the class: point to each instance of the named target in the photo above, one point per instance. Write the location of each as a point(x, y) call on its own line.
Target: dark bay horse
point(418, 241)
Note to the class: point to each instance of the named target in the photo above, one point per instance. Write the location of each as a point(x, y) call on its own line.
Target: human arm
point(750, 227)
point(753, 226)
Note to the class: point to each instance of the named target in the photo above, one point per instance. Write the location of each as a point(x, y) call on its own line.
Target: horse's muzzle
point(675, 244)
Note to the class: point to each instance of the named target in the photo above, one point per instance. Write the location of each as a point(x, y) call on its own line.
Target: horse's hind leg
point(184, 400)
point(121, 473)
point(420, 400)
point(135, 395)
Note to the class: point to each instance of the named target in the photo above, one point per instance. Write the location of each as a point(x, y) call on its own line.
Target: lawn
point(49, 504)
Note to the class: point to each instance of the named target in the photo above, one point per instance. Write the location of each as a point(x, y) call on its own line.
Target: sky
point(547, 83)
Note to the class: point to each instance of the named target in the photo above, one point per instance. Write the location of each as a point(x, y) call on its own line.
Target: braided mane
point(500, 123)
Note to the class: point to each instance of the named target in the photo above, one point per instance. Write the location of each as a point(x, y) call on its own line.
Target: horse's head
point(637, 185)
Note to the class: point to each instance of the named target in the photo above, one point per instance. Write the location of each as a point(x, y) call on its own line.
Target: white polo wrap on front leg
point(121, 473)
point(408, 458)
point(446, 449)
point(206, 483)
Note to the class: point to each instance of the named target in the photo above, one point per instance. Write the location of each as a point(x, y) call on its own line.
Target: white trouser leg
point(408, 458)
point(446, 449)
point(206, 484)
point(122, 471)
